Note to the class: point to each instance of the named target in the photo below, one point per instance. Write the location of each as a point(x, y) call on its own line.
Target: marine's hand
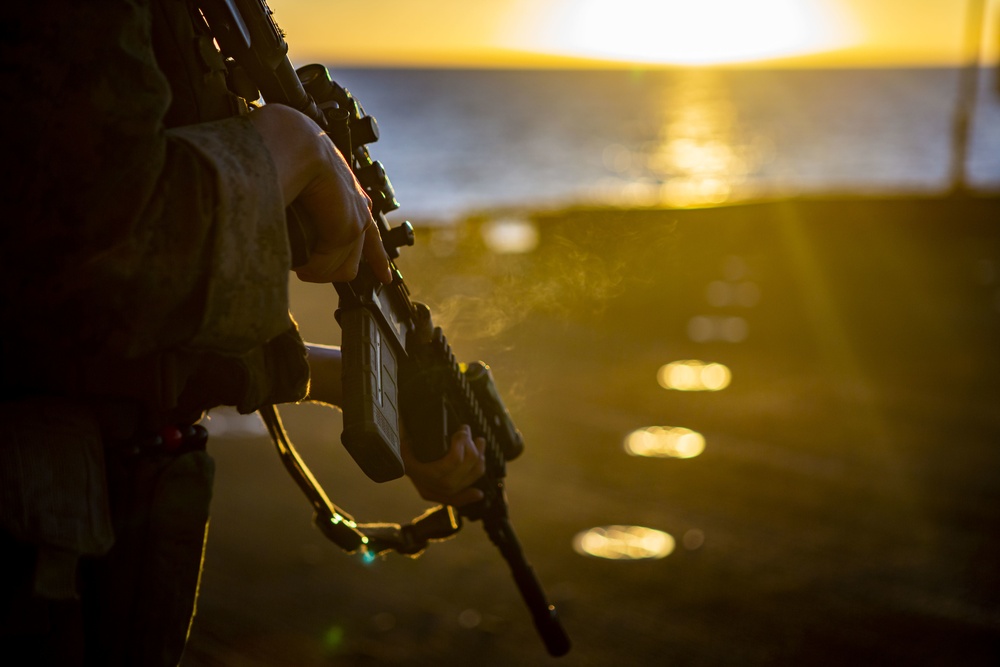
point(313, 174)
point(449, 479)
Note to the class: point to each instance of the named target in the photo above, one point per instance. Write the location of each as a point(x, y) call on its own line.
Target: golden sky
point(539, 33)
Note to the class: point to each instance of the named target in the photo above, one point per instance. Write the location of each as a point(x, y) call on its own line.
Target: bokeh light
point(333, 639)
point(624, 543)
point(706, 328)
point(722, 293)
point(694, 375)
point(693, 539)
point(470, 618)
point(510, 236)
point(674, 442)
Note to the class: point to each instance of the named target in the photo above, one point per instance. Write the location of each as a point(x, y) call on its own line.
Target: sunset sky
point(541, 33)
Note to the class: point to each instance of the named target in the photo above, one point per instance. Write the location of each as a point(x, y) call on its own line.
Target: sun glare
point(683, 32)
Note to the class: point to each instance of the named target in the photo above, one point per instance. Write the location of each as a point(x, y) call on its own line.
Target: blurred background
point(736, 268)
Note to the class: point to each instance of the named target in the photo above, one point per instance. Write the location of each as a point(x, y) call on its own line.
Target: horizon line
point(513, 60)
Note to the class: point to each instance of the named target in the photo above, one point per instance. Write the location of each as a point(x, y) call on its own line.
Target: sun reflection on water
point(700, 153)
point(624, 543)
point(665, 442)
point(694, 375)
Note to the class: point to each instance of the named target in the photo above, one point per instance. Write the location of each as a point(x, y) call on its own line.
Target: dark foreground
point(846, 509)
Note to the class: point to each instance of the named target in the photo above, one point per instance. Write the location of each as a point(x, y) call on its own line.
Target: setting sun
point(680, 32)
point(616, 33)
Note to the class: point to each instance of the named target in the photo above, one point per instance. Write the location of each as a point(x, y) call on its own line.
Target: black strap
point(368, 539)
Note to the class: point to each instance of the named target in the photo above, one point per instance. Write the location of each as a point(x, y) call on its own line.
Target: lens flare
point(694, 375)
point(510, 236)
point(333, 639)
point(624, 543)
point(674, 442)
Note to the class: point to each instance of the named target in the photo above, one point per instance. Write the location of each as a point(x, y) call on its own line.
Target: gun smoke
point(573, 273)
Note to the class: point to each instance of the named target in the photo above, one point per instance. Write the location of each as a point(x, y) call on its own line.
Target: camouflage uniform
point(144, 280)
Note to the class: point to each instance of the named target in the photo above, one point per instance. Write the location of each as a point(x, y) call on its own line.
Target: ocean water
point(460, 141)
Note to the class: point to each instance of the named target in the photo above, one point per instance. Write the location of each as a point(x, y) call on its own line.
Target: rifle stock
point(398, 368)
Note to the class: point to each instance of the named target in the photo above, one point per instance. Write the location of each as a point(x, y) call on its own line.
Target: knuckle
point(346, 273)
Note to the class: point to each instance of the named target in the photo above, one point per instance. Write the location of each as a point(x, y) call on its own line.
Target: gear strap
point(369, 540)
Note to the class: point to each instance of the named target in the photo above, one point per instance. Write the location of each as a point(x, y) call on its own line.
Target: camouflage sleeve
point(127, 239)
point(246, 289)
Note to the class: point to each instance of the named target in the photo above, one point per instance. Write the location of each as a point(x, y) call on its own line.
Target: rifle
point(397, 366)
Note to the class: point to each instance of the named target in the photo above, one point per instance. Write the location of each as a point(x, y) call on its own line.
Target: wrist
point(324, 374)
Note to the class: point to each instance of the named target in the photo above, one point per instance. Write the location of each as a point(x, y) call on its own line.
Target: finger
point(463, 497)
point(340, 264)
point(375, 254)
point(453, 471)
point(449, 480)
point(340, 212)
point(333, 261)
point(463, 464)
point(347, 270)
point(476, 455)
point(334, 265)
